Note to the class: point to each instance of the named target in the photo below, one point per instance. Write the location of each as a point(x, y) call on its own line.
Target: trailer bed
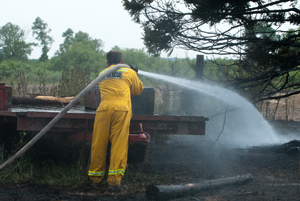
point(78, 123)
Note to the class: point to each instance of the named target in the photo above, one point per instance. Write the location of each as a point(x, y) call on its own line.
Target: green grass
point(27, 170)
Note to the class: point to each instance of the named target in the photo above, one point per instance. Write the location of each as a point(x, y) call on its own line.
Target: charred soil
point(275, 170)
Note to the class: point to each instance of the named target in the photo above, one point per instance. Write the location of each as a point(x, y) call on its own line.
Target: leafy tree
point(7, 68)
point(40, 29)
point(79, 50)
point(69, 39)
point(12, 43)
point(95, 44)
point(253, 31)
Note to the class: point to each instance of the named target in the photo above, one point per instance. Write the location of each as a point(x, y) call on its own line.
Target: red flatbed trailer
point(77, 124)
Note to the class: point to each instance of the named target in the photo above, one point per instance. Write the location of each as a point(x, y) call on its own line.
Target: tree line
point(79, 60)
point(79, 56)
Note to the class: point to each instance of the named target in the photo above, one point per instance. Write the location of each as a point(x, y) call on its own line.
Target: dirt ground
point(275, 170)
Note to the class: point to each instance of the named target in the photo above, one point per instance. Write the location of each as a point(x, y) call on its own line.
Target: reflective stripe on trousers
point(114, 172)
point(99, 173)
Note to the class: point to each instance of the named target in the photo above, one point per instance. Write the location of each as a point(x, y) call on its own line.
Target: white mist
point(244, 126)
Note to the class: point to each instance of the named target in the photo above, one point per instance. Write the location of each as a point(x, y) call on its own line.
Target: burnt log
point(163, 192)
point(40, 100)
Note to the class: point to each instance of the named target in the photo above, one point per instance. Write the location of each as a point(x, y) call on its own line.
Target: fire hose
point(60, 115)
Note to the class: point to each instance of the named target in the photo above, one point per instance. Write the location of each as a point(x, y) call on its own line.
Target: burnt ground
point(275, 171)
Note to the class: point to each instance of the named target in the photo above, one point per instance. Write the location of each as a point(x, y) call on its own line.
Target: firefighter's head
point(114, 57)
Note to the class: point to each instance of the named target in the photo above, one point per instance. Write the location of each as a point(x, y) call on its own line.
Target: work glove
point(133, 67)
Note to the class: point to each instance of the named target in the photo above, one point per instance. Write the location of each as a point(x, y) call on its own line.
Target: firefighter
point(112, 122)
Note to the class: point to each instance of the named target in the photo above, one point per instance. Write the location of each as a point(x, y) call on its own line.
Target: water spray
point(60, 115)
point(259, 132)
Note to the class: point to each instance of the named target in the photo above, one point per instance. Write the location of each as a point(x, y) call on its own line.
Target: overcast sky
point(101, 19)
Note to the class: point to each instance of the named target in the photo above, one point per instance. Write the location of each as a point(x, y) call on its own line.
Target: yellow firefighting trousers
point(119, 118)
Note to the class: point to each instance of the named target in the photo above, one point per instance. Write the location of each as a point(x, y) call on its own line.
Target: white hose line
point(60, 115)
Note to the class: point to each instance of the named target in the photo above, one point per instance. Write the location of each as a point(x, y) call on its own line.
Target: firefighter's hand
point(133, 67)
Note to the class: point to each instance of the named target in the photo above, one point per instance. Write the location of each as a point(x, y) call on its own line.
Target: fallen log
point(173, 191)
point(40, 100)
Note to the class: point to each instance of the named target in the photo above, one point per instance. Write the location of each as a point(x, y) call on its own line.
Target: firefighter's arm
point(136, 85)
